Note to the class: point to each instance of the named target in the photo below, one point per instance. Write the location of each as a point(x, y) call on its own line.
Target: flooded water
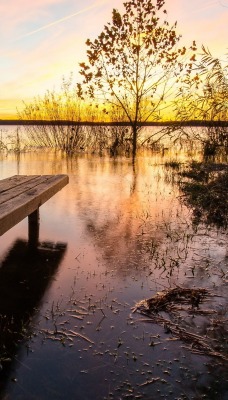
point(115, 235)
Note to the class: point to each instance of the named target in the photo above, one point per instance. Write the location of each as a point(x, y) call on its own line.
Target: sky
point(42, 41)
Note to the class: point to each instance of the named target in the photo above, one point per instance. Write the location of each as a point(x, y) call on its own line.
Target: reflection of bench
point(22, 195)
point(25, 276)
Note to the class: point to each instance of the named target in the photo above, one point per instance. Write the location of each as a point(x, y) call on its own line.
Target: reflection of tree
point(126, 210)
point(111, 225)
point(25, 275)
point(134, 180)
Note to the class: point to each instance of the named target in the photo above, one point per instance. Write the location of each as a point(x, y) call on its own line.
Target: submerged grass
point(206, 192)
point(173, 164)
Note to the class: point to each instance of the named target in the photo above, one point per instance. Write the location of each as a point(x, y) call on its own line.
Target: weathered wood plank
point(14, 191)
point(19, 207)
point(14, 181)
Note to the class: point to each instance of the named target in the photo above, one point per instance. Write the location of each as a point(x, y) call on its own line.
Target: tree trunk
point(134, 140)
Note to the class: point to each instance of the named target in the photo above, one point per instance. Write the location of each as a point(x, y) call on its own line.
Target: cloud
point(18, 13)
point(204, 21)
point(35, 63)
point(58, 21)
point(22, 15)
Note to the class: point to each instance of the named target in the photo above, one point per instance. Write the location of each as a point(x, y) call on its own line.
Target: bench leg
point(33, 228)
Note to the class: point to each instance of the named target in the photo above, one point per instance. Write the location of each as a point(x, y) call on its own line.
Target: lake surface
point(115, 235)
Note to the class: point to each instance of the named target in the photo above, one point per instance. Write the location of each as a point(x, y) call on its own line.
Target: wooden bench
point(22, 195)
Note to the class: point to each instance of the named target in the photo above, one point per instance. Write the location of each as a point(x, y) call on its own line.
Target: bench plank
point(14, 191)
point(38, 191)
point(14, 181)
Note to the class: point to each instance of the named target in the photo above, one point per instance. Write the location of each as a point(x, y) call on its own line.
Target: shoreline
point(102, 123)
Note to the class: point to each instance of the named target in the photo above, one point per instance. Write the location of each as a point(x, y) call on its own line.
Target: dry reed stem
point(165, 301)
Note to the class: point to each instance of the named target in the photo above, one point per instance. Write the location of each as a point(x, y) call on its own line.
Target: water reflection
point(126, 211)
point(128, 236)
point(25, 276)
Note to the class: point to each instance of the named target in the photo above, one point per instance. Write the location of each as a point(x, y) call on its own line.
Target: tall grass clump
point(64, 121)
point(205, 99)
point(12, 141)
point(49, 114)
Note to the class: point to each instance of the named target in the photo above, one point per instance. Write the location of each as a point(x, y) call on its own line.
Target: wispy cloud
point(58, 21)
point(16, 14)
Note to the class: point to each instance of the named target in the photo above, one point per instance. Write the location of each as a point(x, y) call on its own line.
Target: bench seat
point(22, 195)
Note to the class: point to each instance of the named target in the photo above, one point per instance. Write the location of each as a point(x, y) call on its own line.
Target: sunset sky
point(44, 40)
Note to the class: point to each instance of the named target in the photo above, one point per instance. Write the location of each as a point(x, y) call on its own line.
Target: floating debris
point(153, 380)
point(59, 334)
point(169, 301)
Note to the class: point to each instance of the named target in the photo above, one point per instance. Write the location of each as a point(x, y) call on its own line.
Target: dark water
point(114, 236)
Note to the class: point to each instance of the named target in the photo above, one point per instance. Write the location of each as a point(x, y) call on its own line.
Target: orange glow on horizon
point(8, 108)
point(47, 42)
